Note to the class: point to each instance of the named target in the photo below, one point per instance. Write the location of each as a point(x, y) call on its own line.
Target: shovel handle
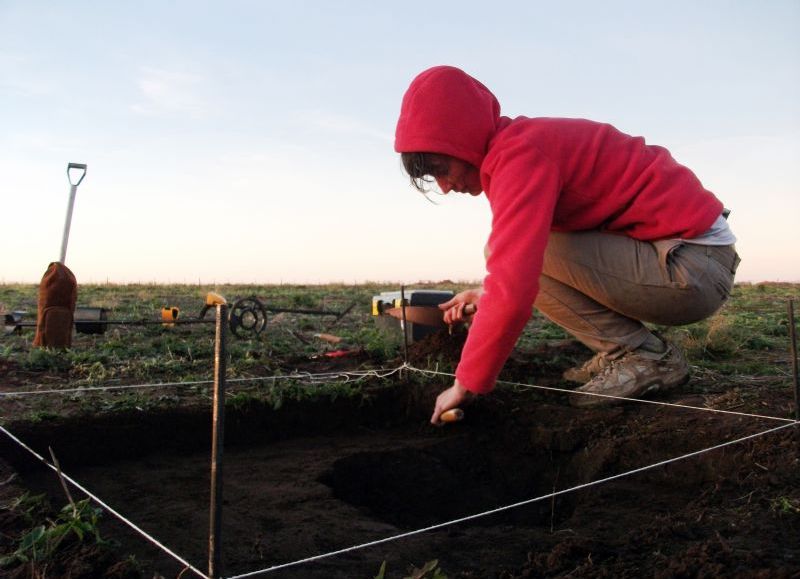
point(80, 166)
point(70, 204)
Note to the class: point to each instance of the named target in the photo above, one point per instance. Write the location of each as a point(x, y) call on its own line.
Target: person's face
point(459, 176)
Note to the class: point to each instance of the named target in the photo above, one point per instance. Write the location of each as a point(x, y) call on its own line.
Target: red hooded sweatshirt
point(542, 174)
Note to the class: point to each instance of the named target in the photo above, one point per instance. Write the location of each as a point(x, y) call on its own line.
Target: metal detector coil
point(248, 317)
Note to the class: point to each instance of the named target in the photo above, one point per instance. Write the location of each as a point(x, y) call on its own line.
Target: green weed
point(429, 570)
point(240, 400)
point(37, 416)
point(128, 401)
point(27, 506)
point(377, 343)
point(41, 543)
point(786, 506)
point(46, 359)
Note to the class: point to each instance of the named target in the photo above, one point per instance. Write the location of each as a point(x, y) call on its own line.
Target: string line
point(381, 373)
point(639, 400)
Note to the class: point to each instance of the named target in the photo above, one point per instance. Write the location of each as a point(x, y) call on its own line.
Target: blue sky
point(252, 141)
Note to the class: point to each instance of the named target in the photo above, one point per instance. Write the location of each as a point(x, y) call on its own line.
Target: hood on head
point(447, 111)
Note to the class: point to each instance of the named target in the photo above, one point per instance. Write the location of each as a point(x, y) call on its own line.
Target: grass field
point(740, 359)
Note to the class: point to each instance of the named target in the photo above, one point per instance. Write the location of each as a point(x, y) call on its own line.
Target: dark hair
point(423, 168)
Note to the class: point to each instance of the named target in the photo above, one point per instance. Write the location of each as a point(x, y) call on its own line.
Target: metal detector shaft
point(73, 189)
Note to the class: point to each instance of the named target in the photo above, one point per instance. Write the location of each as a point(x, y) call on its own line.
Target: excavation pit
point(324, 475)
point(416, 487)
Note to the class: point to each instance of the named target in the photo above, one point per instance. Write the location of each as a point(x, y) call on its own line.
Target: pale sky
point(251, 142)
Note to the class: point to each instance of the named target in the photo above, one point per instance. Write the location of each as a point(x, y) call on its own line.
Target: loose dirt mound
point(542, 365)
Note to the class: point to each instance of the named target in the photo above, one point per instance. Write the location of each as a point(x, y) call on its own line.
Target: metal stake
point(405, 324)
point(72, 191)
point(217, 441)
point(793, 341)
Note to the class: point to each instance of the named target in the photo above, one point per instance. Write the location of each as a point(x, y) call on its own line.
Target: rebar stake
point(217, 441)
point(793, 353)
point(405, 324)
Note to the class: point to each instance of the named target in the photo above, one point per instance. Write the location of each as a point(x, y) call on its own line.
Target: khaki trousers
point(601, 287)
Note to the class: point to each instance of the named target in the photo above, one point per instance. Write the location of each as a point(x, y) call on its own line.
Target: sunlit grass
point(746, 341)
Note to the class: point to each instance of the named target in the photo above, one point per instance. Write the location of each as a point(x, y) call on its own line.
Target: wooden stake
point(63, 482)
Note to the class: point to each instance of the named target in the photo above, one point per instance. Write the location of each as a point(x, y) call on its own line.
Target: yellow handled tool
point(214, 299)
point(452, 415)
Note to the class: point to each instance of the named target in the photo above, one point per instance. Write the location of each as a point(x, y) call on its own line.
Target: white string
point(639, 400)
point(508, 507)
point(360, 374)
point(105, 506)
point(381, 373)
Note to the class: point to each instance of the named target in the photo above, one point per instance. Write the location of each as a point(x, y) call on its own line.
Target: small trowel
point(425, 315)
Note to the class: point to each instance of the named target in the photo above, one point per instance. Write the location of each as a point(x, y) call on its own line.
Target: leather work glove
point(58, 294)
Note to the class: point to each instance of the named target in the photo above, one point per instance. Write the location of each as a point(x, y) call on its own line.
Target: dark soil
point(319, 476)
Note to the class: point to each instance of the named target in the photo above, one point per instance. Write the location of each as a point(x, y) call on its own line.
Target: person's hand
point(454, 308)
point(450, 398)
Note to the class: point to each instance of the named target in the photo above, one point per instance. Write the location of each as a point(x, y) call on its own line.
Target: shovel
point(58, 290)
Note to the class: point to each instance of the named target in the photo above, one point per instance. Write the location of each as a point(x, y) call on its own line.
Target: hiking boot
point(591, 367)
point(635, 374)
